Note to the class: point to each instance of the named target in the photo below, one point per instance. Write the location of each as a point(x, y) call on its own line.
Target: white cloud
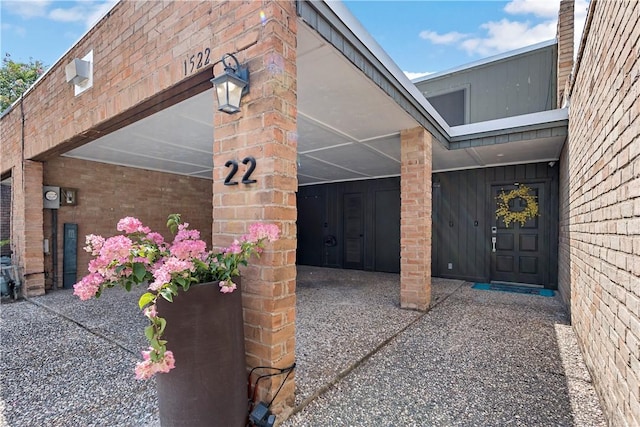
point(507, 35)
point(28, 9)
point(73, 14)
point(413, 76)
point(98, 12)
point(447, 38)
point(495, 37)
point(84, 12)
point(540, 8)
point(15, 29)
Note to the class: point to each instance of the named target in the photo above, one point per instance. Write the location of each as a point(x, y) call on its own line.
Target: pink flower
point(156, 238)
point(164, 271)
point(132, 225)
point(235, 248)
point(227, 287)
point(148, 368)
point(185, 234)
point(187, 249)
point(259, 231)
point(94, 244)
point(88, 286)
point(151, 311)
point(117, 248)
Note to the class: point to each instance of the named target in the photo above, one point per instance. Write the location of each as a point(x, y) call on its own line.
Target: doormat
point(512, 288)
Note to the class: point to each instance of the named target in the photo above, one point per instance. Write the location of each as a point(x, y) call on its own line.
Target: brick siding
point(265, 129)
point(138, 51)
point(415, 219)
point(565, 46)
point(106, 193)
point(600, 208)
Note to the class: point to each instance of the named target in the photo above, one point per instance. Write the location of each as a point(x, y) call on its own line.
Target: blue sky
point(421, 36)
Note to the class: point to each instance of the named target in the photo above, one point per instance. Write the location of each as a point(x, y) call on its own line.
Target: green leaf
point(145, 299)
point(163, 324)
point(149, 332)
point(166, 294)
point(139, 271)
point(173, 221)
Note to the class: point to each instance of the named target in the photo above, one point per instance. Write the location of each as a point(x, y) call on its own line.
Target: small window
point(450, 106)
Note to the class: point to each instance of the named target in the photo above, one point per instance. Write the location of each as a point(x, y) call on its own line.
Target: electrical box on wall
point(69, 196)
point(51, 197)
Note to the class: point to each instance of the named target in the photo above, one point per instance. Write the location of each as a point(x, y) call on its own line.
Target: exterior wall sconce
point(231, 85)
point(79, 73)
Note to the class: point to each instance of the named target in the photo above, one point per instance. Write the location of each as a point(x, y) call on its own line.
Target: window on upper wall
point(451, 106)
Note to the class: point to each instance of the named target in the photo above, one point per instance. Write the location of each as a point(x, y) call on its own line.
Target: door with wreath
point(519, 251)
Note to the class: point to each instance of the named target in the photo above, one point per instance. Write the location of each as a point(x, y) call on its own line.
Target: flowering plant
point(142, 256)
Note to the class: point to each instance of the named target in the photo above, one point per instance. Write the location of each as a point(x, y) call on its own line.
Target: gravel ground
point(476, 358)
point(70, 374)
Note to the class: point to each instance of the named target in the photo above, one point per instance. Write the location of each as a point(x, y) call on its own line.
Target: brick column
point(415, 223)
point(265, 129)
point(565, 47)
point(27, 227)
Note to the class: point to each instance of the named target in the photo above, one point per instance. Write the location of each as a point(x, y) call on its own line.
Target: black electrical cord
point(281, 371)
point(281, 384)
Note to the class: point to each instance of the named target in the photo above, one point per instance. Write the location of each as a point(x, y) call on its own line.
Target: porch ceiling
point(348, 129)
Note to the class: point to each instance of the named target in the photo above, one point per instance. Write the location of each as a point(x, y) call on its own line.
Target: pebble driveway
point(476, 358)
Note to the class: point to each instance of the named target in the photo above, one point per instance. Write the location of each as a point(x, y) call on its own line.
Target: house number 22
point(234, 169)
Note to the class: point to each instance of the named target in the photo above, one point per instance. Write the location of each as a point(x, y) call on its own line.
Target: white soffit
point(178, 139)
point(348, 129)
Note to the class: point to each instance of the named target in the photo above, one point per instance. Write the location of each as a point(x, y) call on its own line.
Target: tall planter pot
point(208, 386)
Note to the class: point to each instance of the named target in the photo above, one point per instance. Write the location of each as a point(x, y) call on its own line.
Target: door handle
point(330, 241)
point(493, 243)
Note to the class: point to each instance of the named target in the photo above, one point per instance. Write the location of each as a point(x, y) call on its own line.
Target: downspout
point(22, 145)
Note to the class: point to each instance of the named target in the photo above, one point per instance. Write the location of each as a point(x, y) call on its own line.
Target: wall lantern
point(231, 85)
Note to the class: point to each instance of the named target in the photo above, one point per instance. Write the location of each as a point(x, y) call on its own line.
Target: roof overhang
point(353, 102)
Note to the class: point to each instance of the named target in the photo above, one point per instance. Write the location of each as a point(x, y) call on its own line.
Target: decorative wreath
point(509, 216)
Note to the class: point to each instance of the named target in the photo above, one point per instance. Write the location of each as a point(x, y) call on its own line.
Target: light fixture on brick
point(231, 85)
point(79, 73)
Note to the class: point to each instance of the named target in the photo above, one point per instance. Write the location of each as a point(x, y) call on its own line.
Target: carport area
point(342, 112)
point(475, 358)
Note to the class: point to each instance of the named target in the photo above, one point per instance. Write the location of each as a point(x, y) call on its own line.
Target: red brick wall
point(107, 193)
point(600, 215)
point(265, 129)
point(415, 219)
point(565, 46)
point(138, 52)
point(29, 229)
